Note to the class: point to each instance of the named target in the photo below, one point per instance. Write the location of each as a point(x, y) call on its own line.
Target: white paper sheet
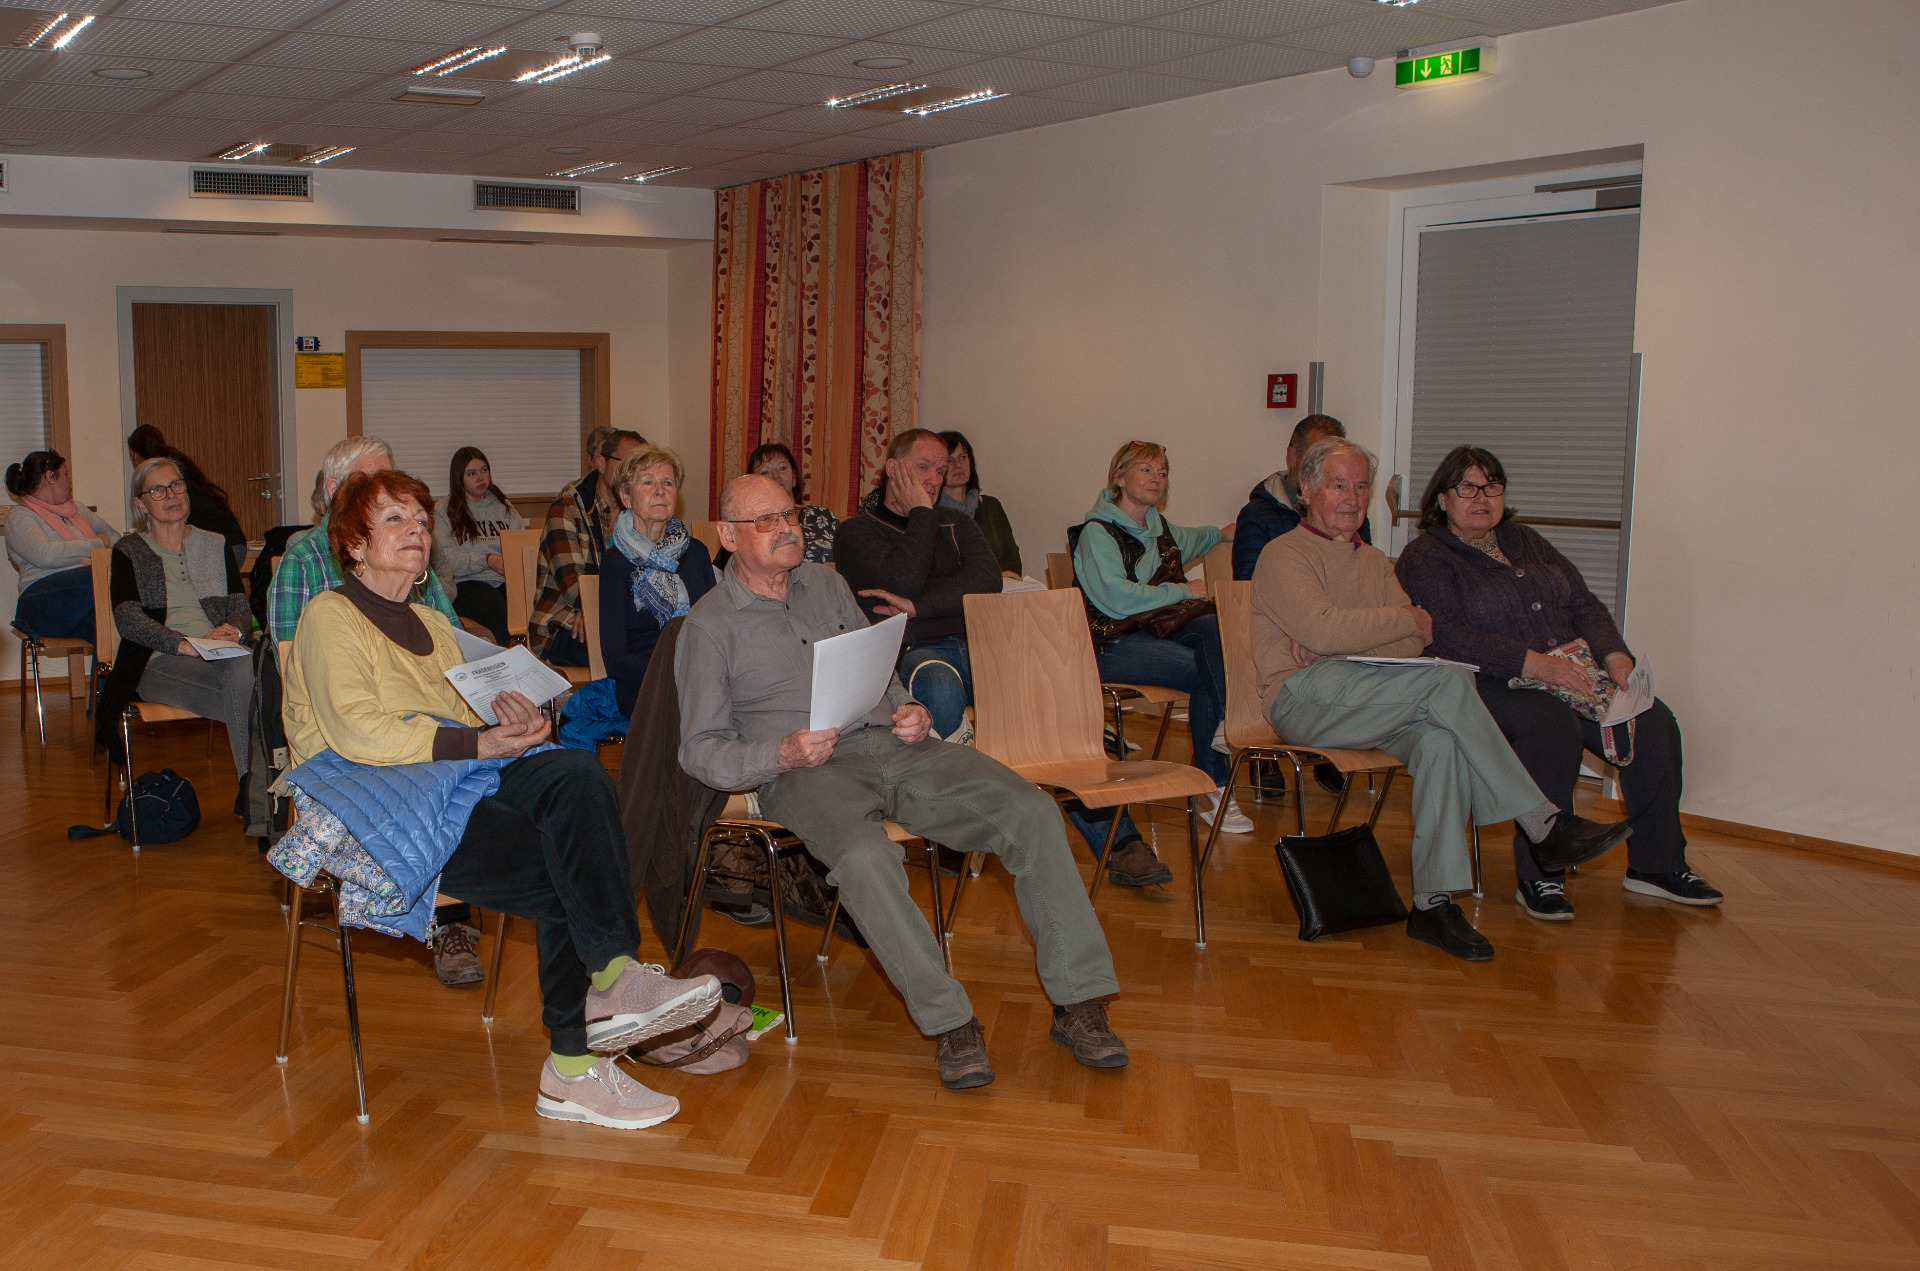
point(851, 671)
point(473, 648)
point(1022, 583)
point(219, 650)
point(513, 670)
point(1636, 697)
point(1365, 661)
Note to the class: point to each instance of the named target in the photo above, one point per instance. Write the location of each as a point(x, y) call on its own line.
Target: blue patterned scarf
point(657, 588)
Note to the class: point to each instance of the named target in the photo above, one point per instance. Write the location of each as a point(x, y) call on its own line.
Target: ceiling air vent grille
point(236, 183)
point(491, 195)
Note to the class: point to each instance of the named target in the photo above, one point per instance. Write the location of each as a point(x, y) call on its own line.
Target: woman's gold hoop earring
point(421, 581)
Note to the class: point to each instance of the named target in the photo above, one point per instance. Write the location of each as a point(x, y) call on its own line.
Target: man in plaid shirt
point(578, 526)
point(308, 567)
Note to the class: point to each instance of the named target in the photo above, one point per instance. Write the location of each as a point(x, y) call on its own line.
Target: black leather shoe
point(1574, 840)
point(1545, 900)
point(1445, 927)
point(1682, 888)
point(1328, 778)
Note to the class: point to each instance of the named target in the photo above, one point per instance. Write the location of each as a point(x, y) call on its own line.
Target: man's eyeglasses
point(1468, 490)
point(768, 522)
point(176, 486)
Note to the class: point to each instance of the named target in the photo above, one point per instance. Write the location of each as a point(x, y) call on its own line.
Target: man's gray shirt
point(744, 670)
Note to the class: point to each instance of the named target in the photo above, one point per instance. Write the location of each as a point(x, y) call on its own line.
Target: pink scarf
point(65, 517)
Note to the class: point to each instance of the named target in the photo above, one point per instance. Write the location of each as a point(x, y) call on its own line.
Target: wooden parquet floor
point(1647, 1088)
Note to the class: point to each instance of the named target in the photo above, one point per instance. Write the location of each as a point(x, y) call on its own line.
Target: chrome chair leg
point(295, 897)
point(939, 909)
point(696, 884)
point(493, 973)
point(779, 929)
point(1299, 794)
point(1100, 866)
point(345, 935)
point(826, 937)
point(1160, 738)
point(1380, 798)
point(126, 749)
point(1473, 832)
point(1202, 854)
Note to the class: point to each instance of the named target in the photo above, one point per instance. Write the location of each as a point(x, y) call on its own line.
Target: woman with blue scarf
point(652, 573)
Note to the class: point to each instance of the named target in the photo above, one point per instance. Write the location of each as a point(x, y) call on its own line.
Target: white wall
point(690, 369)
point(70, 276)
point(1139, 274)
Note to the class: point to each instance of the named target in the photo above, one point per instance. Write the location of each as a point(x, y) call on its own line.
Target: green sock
point(603, 978)
point(574, 1065)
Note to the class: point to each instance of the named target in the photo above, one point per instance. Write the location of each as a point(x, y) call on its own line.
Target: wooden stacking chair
point(1036, 697)
point(136, 712)
point(736, 823)
point(520, 553)
point(706, 532)
point(590, 611)
point(1060, 576)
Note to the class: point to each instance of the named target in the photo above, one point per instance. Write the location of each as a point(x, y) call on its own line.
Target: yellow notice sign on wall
point(319, 370)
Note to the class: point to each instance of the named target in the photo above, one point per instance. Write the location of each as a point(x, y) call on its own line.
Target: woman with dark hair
point(176, 601)
point(466, 539)
point(817, 524)
point(962, 492)
point(208, 507)
point(1503, 599)
point(50, 540)
point(366, 683)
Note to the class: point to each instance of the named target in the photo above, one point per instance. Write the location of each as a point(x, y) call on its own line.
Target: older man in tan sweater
point(1321, 595)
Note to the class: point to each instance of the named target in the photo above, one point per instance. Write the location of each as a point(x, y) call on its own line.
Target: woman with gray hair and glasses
point(171, 586)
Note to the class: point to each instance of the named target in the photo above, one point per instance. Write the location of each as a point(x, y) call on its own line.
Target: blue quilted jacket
point(402, 822)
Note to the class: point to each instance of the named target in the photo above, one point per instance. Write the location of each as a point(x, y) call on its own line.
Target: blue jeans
point(939, 674)
point(58, 605)
point(1189, 661)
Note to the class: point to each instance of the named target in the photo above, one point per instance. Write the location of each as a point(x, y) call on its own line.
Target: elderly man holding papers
point(744, 668)
point(1321, 595)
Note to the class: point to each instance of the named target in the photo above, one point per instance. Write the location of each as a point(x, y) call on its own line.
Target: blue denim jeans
point(939, 674)
point(58, 605)
point(1189, 661)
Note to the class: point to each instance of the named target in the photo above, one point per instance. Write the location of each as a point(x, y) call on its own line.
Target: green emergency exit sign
point(1432, 67)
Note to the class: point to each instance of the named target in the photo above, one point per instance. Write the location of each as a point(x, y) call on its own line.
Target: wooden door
point(203, 374)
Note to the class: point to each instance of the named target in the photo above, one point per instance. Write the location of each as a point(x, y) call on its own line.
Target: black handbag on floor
point(1338, 882)
point(168, 809)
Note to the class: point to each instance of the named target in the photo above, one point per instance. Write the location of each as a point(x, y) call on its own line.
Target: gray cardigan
point(37, 550)
point(208, 566)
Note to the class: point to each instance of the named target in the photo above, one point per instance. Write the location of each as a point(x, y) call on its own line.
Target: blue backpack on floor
point(165, 803)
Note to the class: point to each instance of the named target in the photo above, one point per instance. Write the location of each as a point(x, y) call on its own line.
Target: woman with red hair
point(367, 681)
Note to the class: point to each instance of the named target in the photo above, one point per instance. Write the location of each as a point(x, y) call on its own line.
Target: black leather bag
point(1338, 882)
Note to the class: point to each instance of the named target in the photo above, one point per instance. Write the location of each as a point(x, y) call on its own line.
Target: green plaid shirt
point(308, 569)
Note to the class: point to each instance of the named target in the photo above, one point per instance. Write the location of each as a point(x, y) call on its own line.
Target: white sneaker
point(1233, 822)
point(1220, 739)
point(604, 1095)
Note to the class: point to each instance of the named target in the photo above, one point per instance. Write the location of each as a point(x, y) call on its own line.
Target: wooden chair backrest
point(590, 614)
point(1217, 565)
point(1246, 722)
point(708, 533)
point(106, 634)
point(1036, 690)
point(1059, 570)
point(519, 552)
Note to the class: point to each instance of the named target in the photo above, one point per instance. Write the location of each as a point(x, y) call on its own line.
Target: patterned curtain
point(816, 322)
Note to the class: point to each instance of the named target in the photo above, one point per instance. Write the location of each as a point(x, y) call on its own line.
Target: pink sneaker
point(646, 1002)
point(603, 1096)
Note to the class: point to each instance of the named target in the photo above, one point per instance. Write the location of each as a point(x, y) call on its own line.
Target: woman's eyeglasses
point(768, 522)
point(1468, 490)
point(176, 486)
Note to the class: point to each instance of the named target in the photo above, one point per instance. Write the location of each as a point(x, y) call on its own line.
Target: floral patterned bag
point(1593, 704)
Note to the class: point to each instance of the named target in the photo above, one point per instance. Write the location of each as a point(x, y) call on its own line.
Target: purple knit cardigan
point(1490, 614)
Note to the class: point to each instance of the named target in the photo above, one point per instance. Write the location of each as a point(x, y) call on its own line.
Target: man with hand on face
point(1321, 594)
point(744, 671)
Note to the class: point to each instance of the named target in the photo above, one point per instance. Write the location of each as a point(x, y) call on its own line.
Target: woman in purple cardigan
point(1501, 597)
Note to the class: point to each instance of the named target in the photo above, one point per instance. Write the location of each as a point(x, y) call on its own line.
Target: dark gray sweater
point(931, 556)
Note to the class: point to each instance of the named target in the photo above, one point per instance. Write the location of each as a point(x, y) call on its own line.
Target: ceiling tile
point(179, 40)
point(751, 140)
point(407, 115)
point(1527, 15)
point(622, 35)
point(435, 20)
point(819, 120)
point(1257, 19)
point(1101, 10)
point(663, 10)
point(786, 88)
point(992, 31)
point(845, 149)
point(346, 53)
point(1132, 88)
point(926, 62)
point(1249, 63)
point(75, 68)
point(1384, 33)
point(731, 46)
point(623, 130)
point(215, 106)
point(283, 15)
point(479, 120)
point(844, 19)
point(293, 82)
point(552, 99)
point(101, 95)
point(232, 128)
point(701, 110)
point(919, 133)
point(1125, 46)
point(1016, 74)
point(47, 123)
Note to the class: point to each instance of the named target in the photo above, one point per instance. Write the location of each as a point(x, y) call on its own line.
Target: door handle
point(265, 477)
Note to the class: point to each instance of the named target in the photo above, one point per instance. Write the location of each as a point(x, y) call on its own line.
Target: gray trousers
point(960, 798)
point(1430, 718)
point(220, 690)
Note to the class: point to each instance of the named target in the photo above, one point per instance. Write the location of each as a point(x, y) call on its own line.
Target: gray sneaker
point(646, 1002)
point(1083, 1028)
point(962, 1053)
point(454, 960)
point(604, 1096)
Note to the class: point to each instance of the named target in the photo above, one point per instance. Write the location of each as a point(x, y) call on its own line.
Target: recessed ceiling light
point(426, 96)
point(884, 63)
point(655, 172)
point(566, 149)
point(324, 154)
point(458, 60)
point(122, 72)
point(970, 99)
point(18, 143)
point(1398, 4)
point(562, 68)
point(244, 150)
point(872, 95)
point(585, 168)
point(52, 33)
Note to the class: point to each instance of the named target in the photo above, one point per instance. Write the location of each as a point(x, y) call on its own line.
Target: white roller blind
point(520, 406)
point(1523, 346)
point(23, 401)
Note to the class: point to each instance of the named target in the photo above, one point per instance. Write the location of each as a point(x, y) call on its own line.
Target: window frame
point(54, 337)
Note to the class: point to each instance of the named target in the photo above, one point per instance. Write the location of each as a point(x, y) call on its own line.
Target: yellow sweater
point(351, 689)
point(1332, 598)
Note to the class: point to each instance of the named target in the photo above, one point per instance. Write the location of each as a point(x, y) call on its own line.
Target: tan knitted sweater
point(1332, 598)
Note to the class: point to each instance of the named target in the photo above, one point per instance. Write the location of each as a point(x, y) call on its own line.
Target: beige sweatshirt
point(1332, 598)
